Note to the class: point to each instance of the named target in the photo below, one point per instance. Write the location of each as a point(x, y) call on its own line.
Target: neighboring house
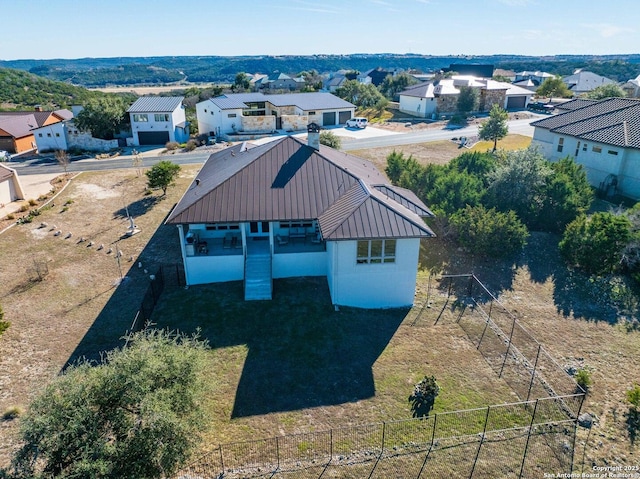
point(291, 209)
point(10, 187)
point(603, 136)
point(471, 69)
point(280, 81)
point(246, 115)
point(585, 81)
point(158, 120)
point(632, 87)
point(17, 129)
point(508, 74)
point(537, 77)
point(333, 83)
point(441, 96)
point(527, 84)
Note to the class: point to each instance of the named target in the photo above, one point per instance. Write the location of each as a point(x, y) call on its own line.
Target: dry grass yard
point(295, 364)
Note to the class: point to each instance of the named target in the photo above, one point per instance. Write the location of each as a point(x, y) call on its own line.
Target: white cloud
point(607, 30)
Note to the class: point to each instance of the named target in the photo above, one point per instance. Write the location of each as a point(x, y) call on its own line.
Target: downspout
point(623, 160)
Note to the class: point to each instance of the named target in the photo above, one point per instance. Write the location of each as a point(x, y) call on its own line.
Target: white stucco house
point(243, 116)
point(583, 81)
point(291, 209)
point(441, 96)
point(603, 136)
point(158, 120)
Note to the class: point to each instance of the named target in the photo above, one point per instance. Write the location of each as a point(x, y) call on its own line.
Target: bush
point(330, 139)
point(489, 232)
point(595, 243)
point(583, 378)
point(32, 202)
point(172, 145)
point(11, 413)
point(191, 145)
point(4, 325)
point(424, 395)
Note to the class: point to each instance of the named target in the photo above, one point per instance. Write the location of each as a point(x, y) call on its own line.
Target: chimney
point(313, 135)
point(37, 108)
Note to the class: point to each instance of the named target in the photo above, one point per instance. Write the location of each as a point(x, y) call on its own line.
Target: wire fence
point(517, 440)
point(521, 440)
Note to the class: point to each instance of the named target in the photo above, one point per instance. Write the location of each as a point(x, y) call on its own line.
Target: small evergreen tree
point(162, 175)
point(468, 100)
point(495, 128)
point(330, 139)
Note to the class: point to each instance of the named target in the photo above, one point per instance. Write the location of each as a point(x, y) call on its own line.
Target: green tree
point(489, 232)
point(328, 138)
point(468, 100)
point(137, 414)
point(103, 117)
point(361, 95)
point(392, 85)
point(610, 90)
point(162, 175)
point(595, 243)
point(453, 190)
point(312, 80)
point(495, 128)
point(241, 82)
point(566, 195)
point(518, 183)
point(554, 87)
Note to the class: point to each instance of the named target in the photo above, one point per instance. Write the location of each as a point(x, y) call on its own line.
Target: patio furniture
point(202, 247)
point(298, 232)
point(282, 241)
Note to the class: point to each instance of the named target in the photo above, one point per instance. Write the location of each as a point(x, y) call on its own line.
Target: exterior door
point(259, 228)
point(328, 118)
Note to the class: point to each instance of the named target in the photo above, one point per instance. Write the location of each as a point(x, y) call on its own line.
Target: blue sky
point(109, 28)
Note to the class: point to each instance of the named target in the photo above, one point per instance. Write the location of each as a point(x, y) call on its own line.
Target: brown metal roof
point(288, 180)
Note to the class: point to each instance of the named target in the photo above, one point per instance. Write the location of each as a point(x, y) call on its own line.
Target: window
point(231, 115)
point(296, 224)
point(584, 147)
point(222, 227)
point(161, 117)
point(140, 117)
point(48, 135)
point(312, 113)
point(205, 110)
point(560, 145)
point(596, 149)
point(40, 135)
point(58, 135)
point(376, 251)
point(612, 152)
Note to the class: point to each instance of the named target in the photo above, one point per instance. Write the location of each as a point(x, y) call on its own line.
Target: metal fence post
point(484, 431)
point(384, 430)
point(533, 374)
point(526, 446)
point(506, 354)
point(277, 453)
point(330, 444)
point(221, 459)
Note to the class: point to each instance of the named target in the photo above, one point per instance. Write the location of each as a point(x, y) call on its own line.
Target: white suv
point(357, 122)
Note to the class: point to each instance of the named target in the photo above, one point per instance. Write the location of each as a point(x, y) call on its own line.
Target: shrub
point(191, 145)
point(330, 139)
point(595, 243)
point(489, 232)
point(583, 378)
point(423, 396)
point(11, 216)
point(4, 325)
point(32, 202)
point(23, 208)
point(68, 202)
point(172, 145)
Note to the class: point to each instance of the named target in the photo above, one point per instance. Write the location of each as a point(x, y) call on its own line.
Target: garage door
point(343, 117)
point(6, 144)
point(516, 102)
point(329, 118)
point(153, 137)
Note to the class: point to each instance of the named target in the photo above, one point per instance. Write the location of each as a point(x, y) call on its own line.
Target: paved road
point(521, 127)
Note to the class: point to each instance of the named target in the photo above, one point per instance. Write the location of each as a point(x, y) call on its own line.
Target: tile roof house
point(585, 81)
point(17, 128)
point(246, 116)
point(441, 96)
point(158, 120)
point(603, 136)
point(292, 209)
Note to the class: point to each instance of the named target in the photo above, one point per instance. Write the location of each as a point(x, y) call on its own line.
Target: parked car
point(357, 122)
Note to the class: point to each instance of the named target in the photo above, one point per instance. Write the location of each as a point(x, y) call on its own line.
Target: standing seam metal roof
point(288, 180)
point(156, 104)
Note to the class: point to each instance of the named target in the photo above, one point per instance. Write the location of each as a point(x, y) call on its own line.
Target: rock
point(100, 247)
point(585, 420)
point(57, 233)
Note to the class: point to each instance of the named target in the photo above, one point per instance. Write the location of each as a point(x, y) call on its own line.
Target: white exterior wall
point(175, 117)
point(291, 265)
point(386, 285)
point(51, 137)
point(6, 196)
point(214, 269)
point(625, 165)
point(423, 107)
point(217, 120)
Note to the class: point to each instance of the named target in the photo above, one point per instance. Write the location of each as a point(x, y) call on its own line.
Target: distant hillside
point(101, 72)
point(21, 90)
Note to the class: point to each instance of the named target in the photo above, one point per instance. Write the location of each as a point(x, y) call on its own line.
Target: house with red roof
point(17, 128)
